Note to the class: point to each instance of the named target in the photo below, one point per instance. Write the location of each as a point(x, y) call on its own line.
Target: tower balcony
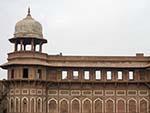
point(26, 58)
point(26, 54)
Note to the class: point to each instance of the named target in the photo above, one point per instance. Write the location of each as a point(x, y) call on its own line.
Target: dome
point(28, 28)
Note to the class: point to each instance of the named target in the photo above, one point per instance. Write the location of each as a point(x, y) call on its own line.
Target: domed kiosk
point(28, 41)
point(28, 32)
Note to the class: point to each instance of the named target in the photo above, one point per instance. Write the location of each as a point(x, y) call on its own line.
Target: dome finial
point(29, 12)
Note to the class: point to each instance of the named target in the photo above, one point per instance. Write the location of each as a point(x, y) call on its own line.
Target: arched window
point(121, 106)
point(87, 106)
point(24, 105)
point(98, 106)
point(64, 106)
point(132, 106)
point(109, 106)
point(52, 106)
point(75, 106)
point(143, 106)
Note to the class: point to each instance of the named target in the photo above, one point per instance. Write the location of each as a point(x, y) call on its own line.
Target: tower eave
point(27, 40)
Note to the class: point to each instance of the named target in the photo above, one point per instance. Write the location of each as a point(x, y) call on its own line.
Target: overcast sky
point(81, 27)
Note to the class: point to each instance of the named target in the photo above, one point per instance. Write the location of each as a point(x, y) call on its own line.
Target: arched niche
point(144, 107)
point(12, 105)
point(121, 106)
point(52, 106)
point(64, 106)
point(17, 102)
point(75, 106)
point(25, 105)
point(32, 105)
point(132, 106)
point(109, 106)
point(87, 106)
point(98, 106)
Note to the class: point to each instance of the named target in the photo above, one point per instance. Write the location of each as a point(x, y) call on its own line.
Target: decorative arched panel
point(121, 106)
point(75, 106)
point(39, 105)
point(132, 106)
point(64, 106)
point(143, 106)
point(109, 106)
point(12, 105)
point(87, 106)
point(98, 106)
point(7, 103)
point(32, 105)
point(45, 105)
point(17, 105)
point(52, 106)
point(25, 105)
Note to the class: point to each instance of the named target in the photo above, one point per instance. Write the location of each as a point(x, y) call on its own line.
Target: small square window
point(131, 75)
point(109, 75)
point(75, 74)
point(86, 75)
point(64, 75)
point(98, 75)
point(120, 75)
